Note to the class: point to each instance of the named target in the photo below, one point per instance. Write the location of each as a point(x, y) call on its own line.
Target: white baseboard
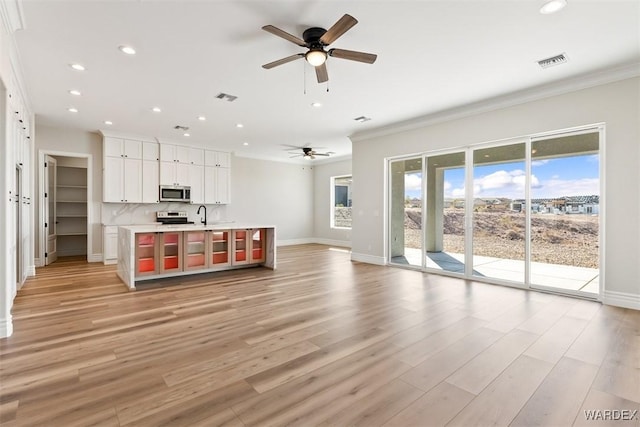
point(38, 262)
point(109, 261)
point(622, 299)
point(6, 327)
point(31, 271)
point(94, 258)
point(291, 242)
point(330, 242)
point(369, 259)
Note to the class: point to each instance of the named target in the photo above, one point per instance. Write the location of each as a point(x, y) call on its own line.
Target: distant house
point(588, 205)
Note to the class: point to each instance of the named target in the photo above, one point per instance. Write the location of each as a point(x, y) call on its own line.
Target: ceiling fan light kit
point(552, 6)
point(316, 57)
point(315, 39)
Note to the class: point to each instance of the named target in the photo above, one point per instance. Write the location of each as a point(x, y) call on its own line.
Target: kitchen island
point(156, 251)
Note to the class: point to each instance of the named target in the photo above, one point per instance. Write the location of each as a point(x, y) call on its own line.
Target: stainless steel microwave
point(175, 193)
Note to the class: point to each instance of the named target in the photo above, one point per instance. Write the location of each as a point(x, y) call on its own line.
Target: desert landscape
point(556, 239)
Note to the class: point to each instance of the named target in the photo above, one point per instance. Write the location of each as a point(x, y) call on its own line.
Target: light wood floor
point(320, 341)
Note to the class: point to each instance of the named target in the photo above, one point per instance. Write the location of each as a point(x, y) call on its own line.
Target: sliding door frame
point(600, 128)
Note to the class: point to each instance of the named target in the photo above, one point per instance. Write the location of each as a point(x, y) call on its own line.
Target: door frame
point(42, 238)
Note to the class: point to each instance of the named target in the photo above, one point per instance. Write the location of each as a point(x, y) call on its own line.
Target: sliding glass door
point(565, 213)
point(525, 213)
point(444, 209)
point(499, 208)
point(405, 212)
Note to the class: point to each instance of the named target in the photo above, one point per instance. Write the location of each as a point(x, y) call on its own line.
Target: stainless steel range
point(172, 217)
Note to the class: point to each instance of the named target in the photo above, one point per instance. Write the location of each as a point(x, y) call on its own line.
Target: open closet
point(66, 207)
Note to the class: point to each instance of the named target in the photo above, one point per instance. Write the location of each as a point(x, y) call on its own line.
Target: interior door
point(50, 210)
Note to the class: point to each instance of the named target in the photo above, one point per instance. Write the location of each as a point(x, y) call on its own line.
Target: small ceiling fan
point(310, 153)
point(315, 39)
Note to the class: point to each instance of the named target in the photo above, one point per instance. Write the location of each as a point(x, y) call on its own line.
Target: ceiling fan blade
point(321, 154)
point(321, 73)
point(338, 29)
point(281, 33)
point(282, 61)
point(296, 155)
point(353, 55)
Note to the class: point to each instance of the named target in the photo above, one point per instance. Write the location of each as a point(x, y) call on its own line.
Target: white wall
point(273, 193)
point(69, 142)
point(616, 104)
point(323, 233)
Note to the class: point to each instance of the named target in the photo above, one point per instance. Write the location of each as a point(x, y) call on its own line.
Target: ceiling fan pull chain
point(304, 78)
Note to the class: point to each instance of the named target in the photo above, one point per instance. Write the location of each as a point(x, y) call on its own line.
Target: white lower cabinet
point(110, 244)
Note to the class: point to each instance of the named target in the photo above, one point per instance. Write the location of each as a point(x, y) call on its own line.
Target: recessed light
point(72, 110)
point(77, 67)
point(316, 104)
point(552, 6)
point(75, 92)
point(202, 118)
point(245, 143)
point(239, 125)
point(127, 49)
point(108, 122)
point(186, 134)
point(156, 109)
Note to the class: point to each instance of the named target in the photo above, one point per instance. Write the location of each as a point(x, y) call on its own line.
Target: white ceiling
point(432, 55)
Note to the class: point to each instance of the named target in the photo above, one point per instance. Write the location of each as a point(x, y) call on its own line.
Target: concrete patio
point(562, 277)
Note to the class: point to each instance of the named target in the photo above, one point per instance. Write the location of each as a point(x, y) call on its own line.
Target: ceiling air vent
point(362, 119)
point(226, 97)
point(554, 60)
point(184, 128)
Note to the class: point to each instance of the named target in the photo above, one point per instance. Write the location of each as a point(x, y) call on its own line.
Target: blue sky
point(566, 176)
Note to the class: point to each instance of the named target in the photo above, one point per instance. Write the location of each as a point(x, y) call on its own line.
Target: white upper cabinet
point(118, 147)
point(133, 170)
point(218, 159)
point(174, 153)
point(150, 151)
point(196, 156)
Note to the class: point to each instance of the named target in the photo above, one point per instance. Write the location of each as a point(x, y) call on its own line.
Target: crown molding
point(11, 15)
point(535, 93)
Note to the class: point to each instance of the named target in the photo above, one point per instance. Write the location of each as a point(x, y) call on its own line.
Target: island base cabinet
point(258, 239)
point(249, 246)
point(219, 248)
point(170, 252)
point(146, 254)
point(195, 250)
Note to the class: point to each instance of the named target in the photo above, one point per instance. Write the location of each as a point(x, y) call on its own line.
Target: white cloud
point(563, 187)
point(511, 184)
point(412, 182)
point(503, 183)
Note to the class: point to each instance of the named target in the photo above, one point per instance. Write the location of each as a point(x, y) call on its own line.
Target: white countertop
point(154, 228)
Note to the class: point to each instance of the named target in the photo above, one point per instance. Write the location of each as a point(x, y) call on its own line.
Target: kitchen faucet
point(204, 221)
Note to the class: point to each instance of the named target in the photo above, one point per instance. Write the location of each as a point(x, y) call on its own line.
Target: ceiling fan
point(315, 39)
point(310, 153)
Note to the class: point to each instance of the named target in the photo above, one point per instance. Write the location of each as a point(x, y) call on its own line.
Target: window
point(341, 201)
